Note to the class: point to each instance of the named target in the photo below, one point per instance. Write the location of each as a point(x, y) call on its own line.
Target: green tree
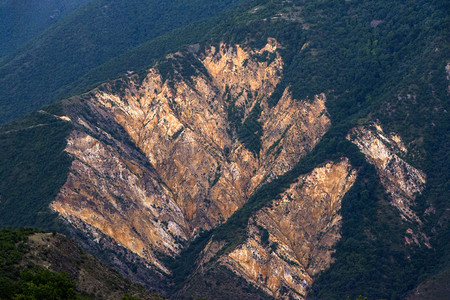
point(45, 285)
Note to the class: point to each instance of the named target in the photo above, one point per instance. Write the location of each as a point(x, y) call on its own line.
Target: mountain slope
point(326, 114)
point(197, 135)
point(24, 20)
point(33, 166)
point(45, 256)
point(85, 39)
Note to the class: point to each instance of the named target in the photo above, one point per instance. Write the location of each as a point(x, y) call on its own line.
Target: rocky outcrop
point(112, 192)
point(292, 238)
point(161, 157)
point(401, 180)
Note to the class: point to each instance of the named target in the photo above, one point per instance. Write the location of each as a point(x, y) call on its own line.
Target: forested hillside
point(39, 73)
point(24, 20)
point(37, 265)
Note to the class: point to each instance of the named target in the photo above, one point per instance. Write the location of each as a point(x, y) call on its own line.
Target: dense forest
point(24, 20)
point(382, 60)
point(41, 71)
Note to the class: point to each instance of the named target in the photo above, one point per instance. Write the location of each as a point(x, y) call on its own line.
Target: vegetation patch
point(33, 167)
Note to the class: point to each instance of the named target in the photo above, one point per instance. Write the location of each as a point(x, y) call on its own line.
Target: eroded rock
point(292, 239)
point(401, 180)
point(159, 158)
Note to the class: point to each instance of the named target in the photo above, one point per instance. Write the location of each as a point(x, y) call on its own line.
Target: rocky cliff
point(292, 239)
point(160, 157)
point(401, 180)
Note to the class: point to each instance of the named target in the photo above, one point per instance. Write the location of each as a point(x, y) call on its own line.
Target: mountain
point(284, 149)
point(24, 20)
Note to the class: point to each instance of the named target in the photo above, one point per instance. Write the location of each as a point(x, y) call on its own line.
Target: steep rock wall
point(292, 239)
point(159, 158)
point(113, 190)
point(401, 180)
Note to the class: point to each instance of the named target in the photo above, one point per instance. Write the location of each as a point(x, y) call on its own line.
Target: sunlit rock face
point(113, 190)
point(401, 180)
point(160, 157)
point(292, 238)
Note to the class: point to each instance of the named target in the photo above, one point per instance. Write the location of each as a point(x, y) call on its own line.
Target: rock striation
point(401, 180)
point(292, 238)
point(161, 157)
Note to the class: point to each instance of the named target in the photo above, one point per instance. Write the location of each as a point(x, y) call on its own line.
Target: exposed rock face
point(401, 180)
point(114, 193)
point(292, 239)
point(158, 159)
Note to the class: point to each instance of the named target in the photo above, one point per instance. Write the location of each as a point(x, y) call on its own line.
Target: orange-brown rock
point(291, 239)
point(158, 159)
point(118, 195)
